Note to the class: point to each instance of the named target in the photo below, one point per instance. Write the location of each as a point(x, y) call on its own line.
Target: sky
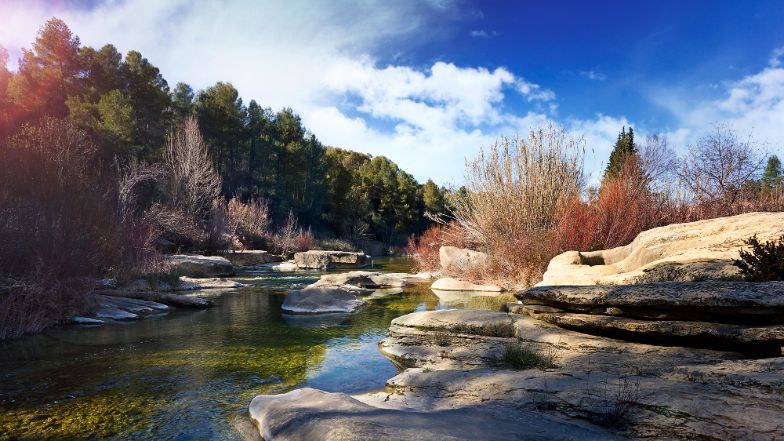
point(429, 83)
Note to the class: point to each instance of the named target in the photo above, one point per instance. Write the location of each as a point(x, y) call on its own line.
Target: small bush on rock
point(517, 356)
point(763, 262)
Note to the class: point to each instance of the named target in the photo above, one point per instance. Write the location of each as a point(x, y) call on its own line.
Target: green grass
point(494, 329)
point(521, 356)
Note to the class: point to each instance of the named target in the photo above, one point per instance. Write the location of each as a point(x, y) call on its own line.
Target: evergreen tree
point(771, 178)
point(48, 73)
point(182, 102)
point(432, 198)
point(222, 116)
point(624, 147)
point(149, 94)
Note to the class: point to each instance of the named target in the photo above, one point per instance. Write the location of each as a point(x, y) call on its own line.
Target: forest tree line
point(128, 109)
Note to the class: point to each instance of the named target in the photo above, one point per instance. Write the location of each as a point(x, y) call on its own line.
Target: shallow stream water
point(190, 374)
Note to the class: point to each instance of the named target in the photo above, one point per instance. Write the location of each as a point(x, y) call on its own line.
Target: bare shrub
point(131, 177)
point(217, 228)
point(56, 207)
point(175, 225)
point(139, 235)
point(33, 303)
point(614, 216)
point(658, 162)
point(249, 221)
point(290, 238)
point(716, 168)
point(515, 191)
point(305, 240)
point(194, 184)
point(425, 248)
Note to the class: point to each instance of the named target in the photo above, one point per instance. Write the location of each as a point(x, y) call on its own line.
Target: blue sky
point(430, 83)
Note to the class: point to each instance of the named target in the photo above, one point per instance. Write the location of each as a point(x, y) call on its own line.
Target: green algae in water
point(99, 416)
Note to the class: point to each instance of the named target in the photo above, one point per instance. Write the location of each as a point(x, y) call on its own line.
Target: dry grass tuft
point(522, 356)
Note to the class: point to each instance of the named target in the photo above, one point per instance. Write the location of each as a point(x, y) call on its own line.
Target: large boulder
point(458, 260)
point(324, 260)
point(311, 414)
point(680, 252)
point(195, 265)
point(451, 284)
point(320, 300)
point(251, 257)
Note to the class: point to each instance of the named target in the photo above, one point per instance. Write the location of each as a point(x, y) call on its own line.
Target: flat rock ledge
point(321, 300)
point(452, 284)
point(325, 260)
point(311, 414)
point(456, 360)
point(371, 280)
point(744, 315)
point(250, 257)
point(196, 265)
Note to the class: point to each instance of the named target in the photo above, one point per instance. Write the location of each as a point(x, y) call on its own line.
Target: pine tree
point(624, 147)
point(772, 176)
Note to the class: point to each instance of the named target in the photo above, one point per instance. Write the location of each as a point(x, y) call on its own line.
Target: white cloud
point(753, 104)
point(593, 75)
point(775, 57)
point(430, 119)
point(481, 33)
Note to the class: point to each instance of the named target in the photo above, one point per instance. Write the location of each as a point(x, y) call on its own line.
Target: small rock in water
point(321, 300)
point(115, 314)
point(79, 320)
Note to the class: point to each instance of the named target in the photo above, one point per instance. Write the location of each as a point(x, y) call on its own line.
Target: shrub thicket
point(763, 261)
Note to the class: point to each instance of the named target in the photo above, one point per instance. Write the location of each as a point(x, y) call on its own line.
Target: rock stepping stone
point(195, 265)
point(324, 260)
point(320, 300)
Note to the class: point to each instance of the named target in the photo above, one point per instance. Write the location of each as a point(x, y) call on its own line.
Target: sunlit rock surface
point(317, 300)
point(687, 252)
point(195, 265)
point(452, 284)
point(324, 260)
point(632, 389)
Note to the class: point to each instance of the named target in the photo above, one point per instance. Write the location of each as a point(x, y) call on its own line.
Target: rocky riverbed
point(689, 352)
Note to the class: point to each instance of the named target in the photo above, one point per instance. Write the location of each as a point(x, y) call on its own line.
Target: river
point(190, 374)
